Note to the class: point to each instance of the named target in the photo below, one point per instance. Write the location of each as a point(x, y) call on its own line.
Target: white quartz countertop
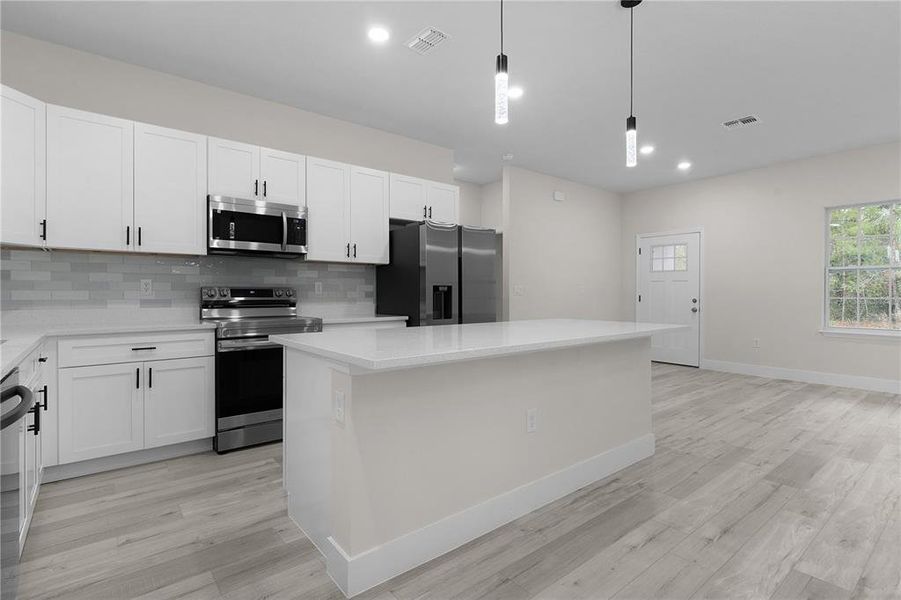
point(376, 349)
point(19, 341)
point(373, 319)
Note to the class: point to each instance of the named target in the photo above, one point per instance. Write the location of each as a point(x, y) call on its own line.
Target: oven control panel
point(274, 294)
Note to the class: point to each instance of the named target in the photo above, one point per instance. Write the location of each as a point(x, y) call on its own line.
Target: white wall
point(492, 209)
point(61, 75)
point(470, 203)
point(764, 257)
point(564, 256)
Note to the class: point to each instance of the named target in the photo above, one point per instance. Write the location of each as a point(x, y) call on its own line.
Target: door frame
point(702, 281)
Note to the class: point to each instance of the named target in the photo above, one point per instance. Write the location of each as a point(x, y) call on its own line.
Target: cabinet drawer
point(108, 349)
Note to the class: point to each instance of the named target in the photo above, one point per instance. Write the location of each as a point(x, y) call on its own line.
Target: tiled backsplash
point(35, 279)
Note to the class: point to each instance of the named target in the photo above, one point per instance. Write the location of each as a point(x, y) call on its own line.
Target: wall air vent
point(742, 122)
point(426, 40)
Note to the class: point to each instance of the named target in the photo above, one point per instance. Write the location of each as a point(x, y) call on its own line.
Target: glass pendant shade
point(631, 142)
point(500, 90)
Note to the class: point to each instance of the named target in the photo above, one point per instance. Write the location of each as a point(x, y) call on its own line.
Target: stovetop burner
point(254, 311)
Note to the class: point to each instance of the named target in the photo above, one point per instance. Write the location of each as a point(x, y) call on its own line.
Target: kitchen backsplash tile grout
point(32, 279)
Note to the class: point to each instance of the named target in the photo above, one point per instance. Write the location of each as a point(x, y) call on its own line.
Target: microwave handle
point(284, 231)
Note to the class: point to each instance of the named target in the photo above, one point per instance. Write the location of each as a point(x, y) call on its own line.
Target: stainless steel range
point(248, 366)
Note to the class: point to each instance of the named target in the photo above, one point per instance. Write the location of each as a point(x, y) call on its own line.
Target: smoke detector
point(426, 40)
point(741, 122)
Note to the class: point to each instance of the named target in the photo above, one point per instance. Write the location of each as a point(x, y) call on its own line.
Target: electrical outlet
point(338, 406)
point(519, 290)
point(531, 420)
point(317, 288)
point(756, 343)
point(146, 288)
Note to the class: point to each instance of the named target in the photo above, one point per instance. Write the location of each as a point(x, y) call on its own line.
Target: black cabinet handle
point(143, 348)
point(264, 188)
point(425, 211)
point(355, 250)
point(44, 391)
point(256, 187)
point(128, 235)
point(150, 377)
point(44, 230)
point(139, 236)
point(430, 212)
point(36, 411)
point(347, 251)
point(42, 359)
point(138, 378)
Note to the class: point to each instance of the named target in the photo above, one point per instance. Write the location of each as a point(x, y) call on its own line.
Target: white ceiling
point(821, 76)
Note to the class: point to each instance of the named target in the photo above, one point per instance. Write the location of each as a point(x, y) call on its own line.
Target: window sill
point(861, 333)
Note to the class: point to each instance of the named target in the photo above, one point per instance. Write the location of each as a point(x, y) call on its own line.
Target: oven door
point(248, 382)
point(237, 225)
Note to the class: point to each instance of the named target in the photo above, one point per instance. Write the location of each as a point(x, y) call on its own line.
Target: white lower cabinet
point(101, 411)
point(178, 400)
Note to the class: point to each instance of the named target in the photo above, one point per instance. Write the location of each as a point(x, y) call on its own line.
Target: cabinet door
point(170, 190)
point(234, 169)
point(283, 177)
point(369, 215)
point(179, 401)
point(90, 180)
point(31, 462)
point(443, 200)
point(22, 168)
point(328, 210)
point(101, 411)
point(409, 198)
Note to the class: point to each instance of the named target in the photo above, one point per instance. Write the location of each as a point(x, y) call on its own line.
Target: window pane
point(876, 219)
point(681, 251)
point(896, 210)
point(843, 222)
point(843, 312)
point(681, 263)
point(669, 251)
point(874, 250)
point(874, 313)
point(657, 252)
point(657, 264)
point(668, 264)
point(843, 252)
point(875, 284)
point(843, 284)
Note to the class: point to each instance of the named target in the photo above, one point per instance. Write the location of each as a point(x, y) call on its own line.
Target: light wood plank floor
point(759, 489)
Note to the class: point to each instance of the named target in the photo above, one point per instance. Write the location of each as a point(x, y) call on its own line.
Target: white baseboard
point(355, 574)
point(873, 384)
point(128, 459)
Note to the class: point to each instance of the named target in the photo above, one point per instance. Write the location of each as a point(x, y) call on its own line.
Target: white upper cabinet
point(409, 198)
point(245, 171)
point(369, 215)
point(415, 199)
point(234, 169)
point(90, 180)
point(283, 176)
point(443, 200)
point(170, 190)
point(22, 168)
point(328, 210)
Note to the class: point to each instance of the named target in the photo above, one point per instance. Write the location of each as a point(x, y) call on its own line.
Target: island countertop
point(378, 349)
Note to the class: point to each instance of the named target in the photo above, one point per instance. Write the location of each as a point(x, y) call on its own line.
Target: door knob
point(694, 309)
point(694, 300)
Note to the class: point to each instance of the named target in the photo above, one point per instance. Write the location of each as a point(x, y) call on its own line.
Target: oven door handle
point(284, 231)
point(240, 345)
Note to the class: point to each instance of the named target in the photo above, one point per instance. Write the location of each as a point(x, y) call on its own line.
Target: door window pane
point(670, 257)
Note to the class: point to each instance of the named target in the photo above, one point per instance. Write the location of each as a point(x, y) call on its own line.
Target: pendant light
point(631, 122)
point(500, 80)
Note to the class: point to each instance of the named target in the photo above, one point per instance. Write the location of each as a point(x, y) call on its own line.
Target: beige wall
point(492, 210)
point(60, 75)
point(764, 257)
point(564, 255)
point(470, 203)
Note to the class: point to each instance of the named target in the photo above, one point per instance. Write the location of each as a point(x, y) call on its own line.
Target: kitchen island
point(403, 444)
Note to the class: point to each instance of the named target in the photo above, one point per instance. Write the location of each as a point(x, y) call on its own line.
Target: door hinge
point(639, 297)
point(639, 251)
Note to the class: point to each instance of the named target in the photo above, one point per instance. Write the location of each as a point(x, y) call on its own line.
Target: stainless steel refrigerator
point(439, 274)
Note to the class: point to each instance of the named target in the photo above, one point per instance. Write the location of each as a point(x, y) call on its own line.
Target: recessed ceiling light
point(647, 149)
point(684, 165)
point(515, 92)
point(379, 35)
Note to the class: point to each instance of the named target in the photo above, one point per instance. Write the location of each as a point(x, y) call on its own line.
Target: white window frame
point(828, 329)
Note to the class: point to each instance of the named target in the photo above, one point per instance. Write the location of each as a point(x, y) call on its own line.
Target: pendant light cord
point(502, 26)
point(631, 60)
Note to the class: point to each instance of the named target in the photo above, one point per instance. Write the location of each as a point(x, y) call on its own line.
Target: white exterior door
point(409, 198)
point(179, 401)
point(369, 215)
point(669, 291)
point(328, 210)
point(170, 190)
point(90, 180)
point(284, 177)
point(101, 411)
point(443, 200)
point(23, 157)
point(234, 169)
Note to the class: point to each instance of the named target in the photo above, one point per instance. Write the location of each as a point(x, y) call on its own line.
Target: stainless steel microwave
point(239, 226)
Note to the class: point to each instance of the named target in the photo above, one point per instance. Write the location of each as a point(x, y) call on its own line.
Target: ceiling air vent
point(426, 40)
point(742, 122)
